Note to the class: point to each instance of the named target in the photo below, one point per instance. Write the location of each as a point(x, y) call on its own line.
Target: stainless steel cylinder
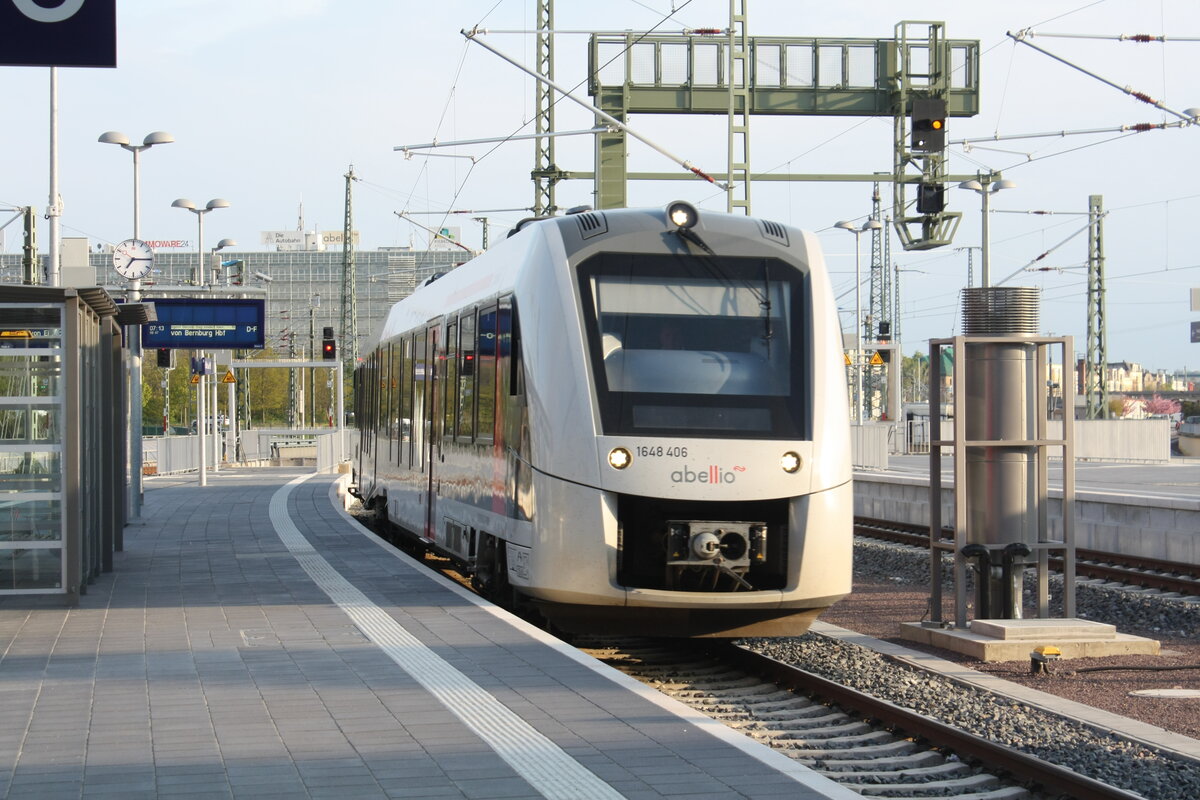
point(1000, 406)
point(1001, 496)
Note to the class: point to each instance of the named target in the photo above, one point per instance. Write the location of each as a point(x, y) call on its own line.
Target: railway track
point(1148, 573)
point(871, 746)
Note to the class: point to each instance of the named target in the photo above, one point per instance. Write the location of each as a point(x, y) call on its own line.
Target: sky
point(270, 103)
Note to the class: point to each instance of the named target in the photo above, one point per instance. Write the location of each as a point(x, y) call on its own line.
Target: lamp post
point(314, 303)
point(201, 432)
point(135, 296)
point(986, 187)
point(213, 204)
point(221, 245)
point(869, 225)
point(229, 444)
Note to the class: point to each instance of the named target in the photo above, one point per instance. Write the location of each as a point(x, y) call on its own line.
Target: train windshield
point(697, 346)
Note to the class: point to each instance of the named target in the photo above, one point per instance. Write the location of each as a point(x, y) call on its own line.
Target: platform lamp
point(986, 187)
point(201, 281)
point(221, 245)
point(869, 225)
point(213, 204)
point(135, 296)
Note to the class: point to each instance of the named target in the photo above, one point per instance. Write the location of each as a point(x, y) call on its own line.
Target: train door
point(429, 427)
point(379, 378)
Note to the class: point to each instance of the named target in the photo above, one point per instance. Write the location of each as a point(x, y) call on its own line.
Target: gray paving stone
point(209, 664)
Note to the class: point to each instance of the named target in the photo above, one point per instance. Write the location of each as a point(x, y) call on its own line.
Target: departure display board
point(191, 323)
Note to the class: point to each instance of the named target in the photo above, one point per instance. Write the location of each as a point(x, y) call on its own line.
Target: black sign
point(58, 33)
point(1196, 333)
point(206, 324)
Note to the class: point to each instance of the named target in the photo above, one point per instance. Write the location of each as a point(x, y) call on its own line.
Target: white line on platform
point(553, 773)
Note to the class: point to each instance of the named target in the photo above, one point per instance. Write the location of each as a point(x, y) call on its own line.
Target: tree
point(1162, 405)
point(914, 377)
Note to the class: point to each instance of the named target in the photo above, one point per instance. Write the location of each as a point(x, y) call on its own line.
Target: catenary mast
point(349, 330)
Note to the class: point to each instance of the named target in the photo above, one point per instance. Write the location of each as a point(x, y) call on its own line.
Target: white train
point(635, 420)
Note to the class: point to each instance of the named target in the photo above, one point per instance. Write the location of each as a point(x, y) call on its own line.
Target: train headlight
point(790, 462)
point(682, 214)
point(619, 458)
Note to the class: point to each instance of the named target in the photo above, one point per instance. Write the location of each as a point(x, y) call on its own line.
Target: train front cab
point(723, 449)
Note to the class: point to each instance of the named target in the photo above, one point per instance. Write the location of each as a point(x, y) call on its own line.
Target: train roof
point(496, 272)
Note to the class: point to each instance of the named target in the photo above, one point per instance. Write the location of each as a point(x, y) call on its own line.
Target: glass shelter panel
point(31, 439)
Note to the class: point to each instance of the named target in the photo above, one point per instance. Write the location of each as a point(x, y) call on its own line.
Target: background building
point(303, 288)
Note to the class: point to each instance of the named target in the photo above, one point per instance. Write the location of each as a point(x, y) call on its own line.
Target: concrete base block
point(1015, 639)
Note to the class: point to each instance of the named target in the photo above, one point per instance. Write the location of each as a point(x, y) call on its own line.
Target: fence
point(168, 455)
point(869, 445)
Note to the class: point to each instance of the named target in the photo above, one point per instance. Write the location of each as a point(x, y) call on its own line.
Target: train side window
point(369, 402)
point(516, 374)
point(364, 413)
point(403, 455)
point(360, 407)
point(380, 398)
point(385, 398)
point(421, 398)
point(467, 350)
point(396, 385)
point(449, 379)
point(485, 376)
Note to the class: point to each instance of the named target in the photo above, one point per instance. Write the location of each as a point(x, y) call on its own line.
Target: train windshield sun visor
point(698, 345)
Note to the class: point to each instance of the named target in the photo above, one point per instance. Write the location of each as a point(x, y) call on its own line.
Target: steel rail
point(1151, 573)
point(992, 756)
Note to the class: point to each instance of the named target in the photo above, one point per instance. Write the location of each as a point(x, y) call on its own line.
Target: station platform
point(254, 641)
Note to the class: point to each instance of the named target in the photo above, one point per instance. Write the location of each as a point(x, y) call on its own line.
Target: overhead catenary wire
point(404, 215)
point(408, 148)
point(625, 32)
point(472, 36)
point(1046, 253)
point(1137, 127)
point(1023, 38)
point(503, 140)
point(1140, 38)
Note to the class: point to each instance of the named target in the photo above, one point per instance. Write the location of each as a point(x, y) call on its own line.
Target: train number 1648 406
point(661, 451)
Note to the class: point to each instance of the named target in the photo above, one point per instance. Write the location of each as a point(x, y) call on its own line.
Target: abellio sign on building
point(58, 33)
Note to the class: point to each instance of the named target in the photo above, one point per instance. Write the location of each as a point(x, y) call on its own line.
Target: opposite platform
point(254, 641)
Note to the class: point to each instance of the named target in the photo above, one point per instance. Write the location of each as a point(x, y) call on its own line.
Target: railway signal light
point(931, 198)
point(166, 358)
point(928, 125)
point(328, 345)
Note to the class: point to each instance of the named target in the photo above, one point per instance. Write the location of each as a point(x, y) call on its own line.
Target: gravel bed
point(1129, 608)
point(1103, 756)
point(891, 587)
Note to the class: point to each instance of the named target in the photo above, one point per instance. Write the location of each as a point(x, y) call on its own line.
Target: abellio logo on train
point(713, 474)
